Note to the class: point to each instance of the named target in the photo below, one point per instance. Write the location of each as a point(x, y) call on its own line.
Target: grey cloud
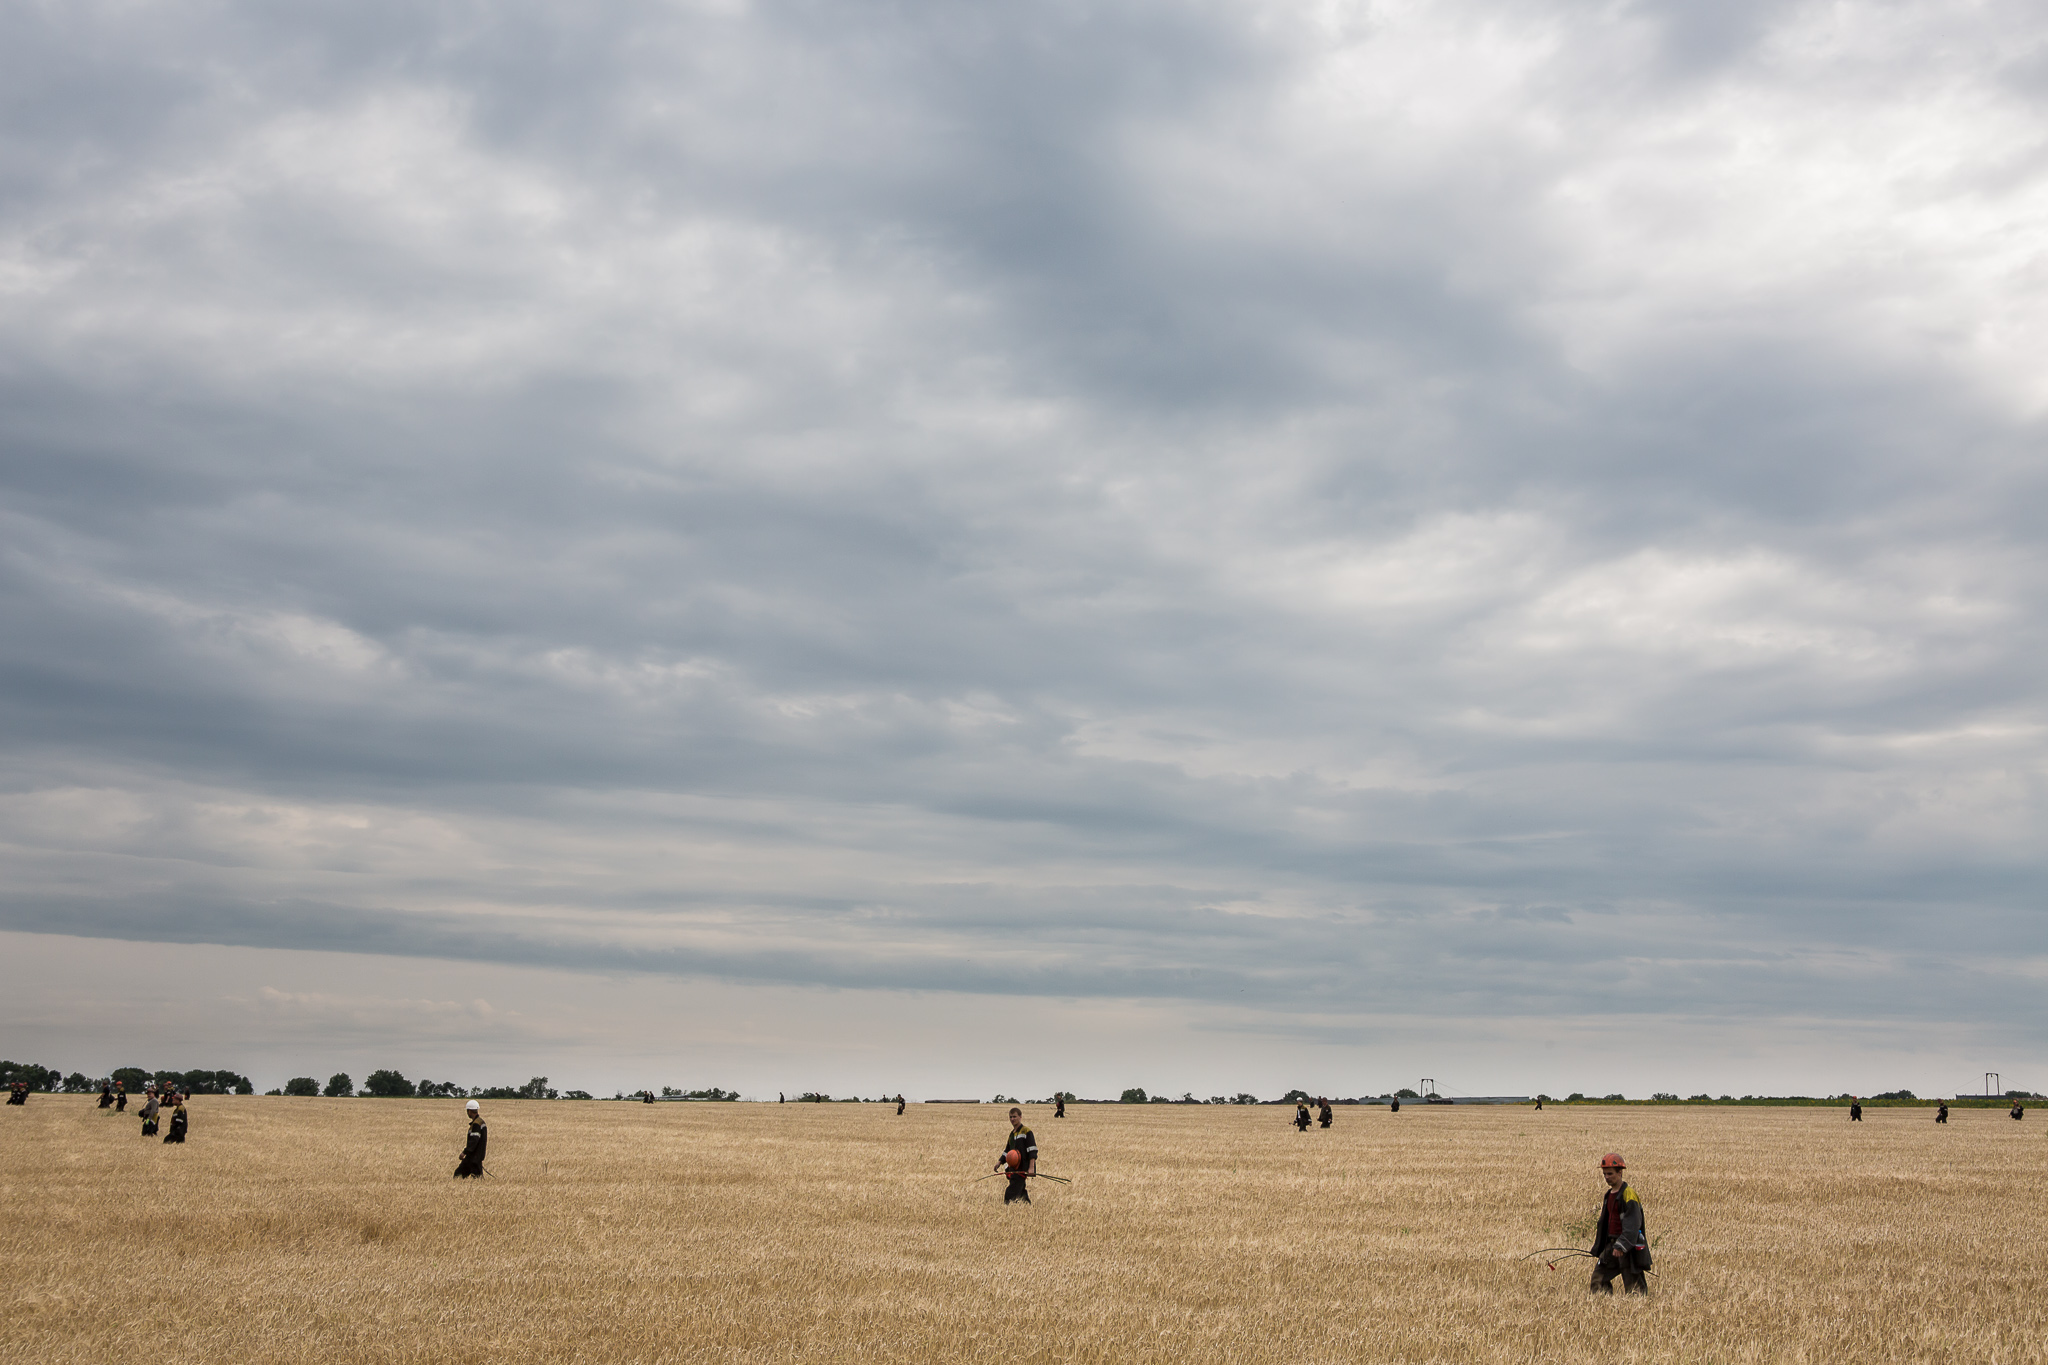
point(1018, 503)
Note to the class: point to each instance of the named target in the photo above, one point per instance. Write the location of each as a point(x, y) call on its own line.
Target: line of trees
point(390, 1084)
point(197, 1082)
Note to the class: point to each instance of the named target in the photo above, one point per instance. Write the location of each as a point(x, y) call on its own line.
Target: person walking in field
point(2019, 1111)
point(899, 1104)
point(1621, 1246)
point(120, 1097)
point(1019, 1158)
point(1324, 1116)
point(178, 1124)
point(1941, 1112)
point(106, 1094)
point(149, 1108)
point(18, 1093)
point(1855, 1110)
point(1301, 1116)
point(472, 1164)
point(1059, 1105)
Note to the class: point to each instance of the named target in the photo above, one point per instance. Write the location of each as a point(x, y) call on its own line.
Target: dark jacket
point(1621, 1220)
point(177, 1133)
point(1026, 1145)
point(473, 1150)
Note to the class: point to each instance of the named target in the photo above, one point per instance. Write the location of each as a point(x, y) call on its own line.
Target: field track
point(329, 1230)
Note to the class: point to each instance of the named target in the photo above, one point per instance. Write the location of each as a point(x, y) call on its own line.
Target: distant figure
point(472, 1164)
point(899, 1105)
point(1855, 1111)
point(647, 1097)
point(778, 1097)
point(1059, 1105)
point(2019, 1111)
point(1019, 1158)
point(1301, 1116)
point(177, 1133)
point(1539, 1104)
point(1621, 1246)
point(1941, 1112)
point(149, 1108)
point(107, 1095)
point(18, 1093)
point(1396, 1107)
point(120, 1097)
point(1324, 1115)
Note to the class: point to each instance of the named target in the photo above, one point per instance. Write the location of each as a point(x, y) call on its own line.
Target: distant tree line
point(133, 1078)
point(388, 1084)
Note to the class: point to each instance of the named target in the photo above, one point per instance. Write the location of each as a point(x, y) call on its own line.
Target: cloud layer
point(1432, 510)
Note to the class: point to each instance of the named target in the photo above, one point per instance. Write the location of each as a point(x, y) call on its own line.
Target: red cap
point(1613, 1162)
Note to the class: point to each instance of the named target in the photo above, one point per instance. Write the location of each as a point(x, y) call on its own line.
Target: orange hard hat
point(1014, 1157)
point(1613, 1162)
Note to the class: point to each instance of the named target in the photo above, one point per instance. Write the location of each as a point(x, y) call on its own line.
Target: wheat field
point(329, 1230)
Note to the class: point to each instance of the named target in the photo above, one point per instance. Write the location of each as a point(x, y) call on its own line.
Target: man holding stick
point(1019, 1158)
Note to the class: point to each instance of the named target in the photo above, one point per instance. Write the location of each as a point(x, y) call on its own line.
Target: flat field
point(329, 1230)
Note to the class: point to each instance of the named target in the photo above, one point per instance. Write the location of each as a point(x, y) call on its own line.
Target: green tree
point(1406, 1094)
point(302, 1085)
point(537, 1089)
point(388, 1085)
point(339, 1084)
point(36, 1077)
point(1135, 1095)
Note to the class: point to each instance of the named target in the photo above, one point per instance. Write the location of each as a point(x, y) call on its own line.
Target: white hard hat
point(472, 1104)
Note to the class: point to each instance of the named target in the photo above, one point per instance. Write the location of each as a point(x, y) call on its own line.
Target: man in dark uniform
point(1941, 1112)
point(1620, 1244)
point(1855, 1110)
point(1324, 1116)
point(1395, 1107)
point(2019, 1111)
point(18, 1093)
point(1059, 1105)
point(120, 1097)
point(899, 1104)
point(1019, 1158)
point(1301, 1116)
point(106, 1095)
point(472, 1164)
point(177, 1133)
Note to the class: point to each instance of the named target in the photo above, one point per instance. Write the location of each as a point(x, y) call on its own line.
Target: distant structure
point(1428, 1087)
point(1992, 1084)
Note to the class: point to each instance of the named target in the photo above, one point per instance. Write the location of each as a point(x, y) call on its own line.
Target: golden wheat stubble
point(329, 1230)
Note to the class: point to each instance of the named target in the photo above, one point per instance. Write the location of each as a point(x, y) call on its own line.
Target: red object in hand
point(1015, 1158)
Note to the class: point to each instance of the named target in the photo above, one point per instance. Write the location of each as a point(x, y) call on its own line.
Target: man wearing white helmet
point(473, 1154)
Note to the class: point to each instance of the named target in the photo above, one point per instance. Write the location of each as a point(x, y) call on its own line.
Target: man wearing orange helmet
point(1019, 1158)
point(1620, 1245)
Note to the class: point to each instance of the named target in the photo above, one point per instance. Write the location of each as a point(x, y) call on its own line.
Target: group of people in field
point(114, 1096)
point(1324, 1114)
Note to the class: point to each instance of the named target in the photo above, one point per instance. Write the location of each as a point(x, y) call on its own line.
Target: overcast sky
point(990, 547)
